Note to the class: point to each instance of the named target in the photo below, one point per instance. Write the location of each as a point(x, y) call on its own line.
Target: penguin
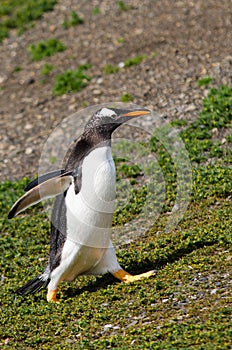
point(81, 220)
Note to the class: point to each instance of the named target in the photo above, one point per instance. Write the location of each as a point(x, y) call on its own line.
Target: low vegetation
point(21, 14)
point(185, 306)
point(45, 48)
point(127, 97)
point(134, 60)
point(73, 20)
point(110, 69)
point(96, 11)
point(205, 81)
point(122, 6)
point(47, 68)
point(71, 80)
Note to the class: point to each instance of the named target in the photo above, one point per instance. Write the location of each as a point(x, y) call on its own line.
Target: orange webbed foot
point(51, 296)
point(127, 277)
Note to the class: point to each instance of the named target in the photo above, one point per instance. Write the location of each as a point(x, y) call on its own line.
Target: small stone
point(99, 81)
point(72, 107)
point(28, 126)
point(133, 323)
point(213, 291)
point(30, 81)
point(107, 327)
point(52, 28)
point(215, 131)
point(28, 151)
point(2, 78)
point(96, 92)
point(165, 300)
point(190, 108)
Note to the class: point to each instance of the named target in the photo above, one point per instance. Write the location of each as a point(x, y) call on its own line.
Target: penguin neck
point(89, 141)
point(98, 137)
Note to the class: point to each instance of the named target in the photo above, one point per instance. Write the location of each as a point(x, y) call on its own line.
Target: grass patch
point(120, 40)
point(110, 69)
point(73, 20)
point(71, 80)
point(17, 69)
point(96, 11)
point(216, 113)
point(127, 97)
point(205, 81)
point(185, 306)
point(20, 14)
point(45, 48)
point(122, 6)
point(134, 60)
point(47, 68)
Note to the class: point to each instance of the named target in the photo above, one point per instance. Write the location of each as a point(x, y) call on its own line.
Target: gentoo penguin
point(80, 241)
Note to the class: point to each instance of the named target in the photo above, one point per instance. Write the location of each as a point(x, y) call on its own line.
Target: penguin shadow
point(102, 282)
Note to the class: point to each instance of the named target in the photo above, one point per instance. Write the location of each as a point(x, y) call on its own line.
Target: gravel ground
point(184, 41)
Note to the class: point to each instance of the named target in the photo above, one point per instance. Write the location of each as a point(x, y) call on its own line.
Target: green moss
point(134, 60)
point(73, 20)
point(17, 69)
point(186, 305)
point(123, 6)
point(127, 97)
point(71, 80)
point(179, 122)
point(120, 40)
point(205, 81)
point(96, 11)
point(45, 48)
point(47, 68)
point(216, 113)
point(110, 69)
point(20, 14)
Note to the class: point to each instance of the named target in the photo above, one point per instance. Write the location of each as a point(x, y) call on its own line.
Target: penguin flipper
point(46, 189)
point(44, 178)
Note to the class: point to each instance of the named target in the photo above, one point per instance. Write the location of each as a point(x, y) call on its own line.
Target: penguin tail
point(34, 285)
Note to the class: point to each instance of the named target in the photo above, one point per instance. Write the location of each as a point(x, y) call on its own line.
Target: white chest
point(90, 212)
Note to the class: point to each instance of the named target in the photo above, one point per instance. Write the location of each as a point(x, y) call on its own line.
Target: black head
point(98, 131)
point(106, 120)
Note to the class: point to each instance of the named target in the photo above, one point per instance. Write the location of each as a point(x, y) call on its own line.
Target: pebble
point(96, 92)
point(190, 108)
point(2, 78)
point(165, 300)
point(28, 126)
point(168, 80)
point(213, 291)
point(28, 151)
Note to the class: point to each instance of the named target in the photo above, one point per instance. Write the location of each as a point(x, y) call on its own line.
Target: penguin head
point(106, 120)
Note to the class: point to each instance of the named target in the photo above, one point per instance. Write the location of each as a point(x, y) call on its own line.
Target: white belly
point(89, 214)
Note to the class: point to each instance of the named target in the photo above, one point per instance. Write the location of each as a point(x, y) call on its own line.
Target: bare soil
point(184, 41)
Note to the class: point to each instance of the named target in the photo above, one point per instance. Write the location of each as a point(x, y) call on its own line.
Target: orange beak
point(136, 113)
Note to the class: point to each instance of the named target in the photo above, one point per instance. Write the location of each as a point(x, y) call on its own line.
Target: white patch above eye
point(106, 112)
